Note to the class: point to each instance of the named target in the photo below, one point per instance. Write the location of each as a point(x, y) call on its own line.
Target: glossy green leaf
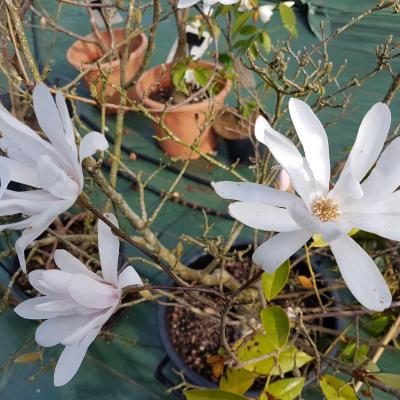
point(336, 389)
point(202, 75)
point(266, 41)
point(178, 76)
point(288, 18)
point(237, 380)
point(212, 394)
point(249, 30)
point(377, 324)
point(239, 22)
point(392, 380)
point(276, 324)
point(286, 389)
point(272, 284)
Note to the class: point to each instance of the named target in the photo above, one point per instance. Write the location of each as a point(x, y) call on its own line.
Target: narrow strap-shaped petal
point(67, 123)
point(313, 137)
point(109, 250)
point(91, 293)
point(275, 251)
point(20, 173)
point(248, 191)
point(387, 226)
point(55, 180)
point(27, 207)
point(55, 330)
point(90, 143)
point(71, 359)
point(187, 3)
point(361, 275)
point(289, 157)
point(37, 225)
point(129, 277)
point(50, 282)
point(36, 308)
point(263, 217)
point(5, 179)
point(52, 120)
point(370, 139)
point(69, 263)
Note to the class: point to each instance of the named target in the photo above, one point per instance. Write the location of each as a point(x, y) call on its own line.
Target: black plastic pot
point(172, 358)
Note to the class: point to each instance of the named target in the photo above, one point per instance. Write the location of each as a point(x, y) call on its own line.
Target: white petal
point(91, 293)
point(263, 217)
point(71, 359)
point(36, 308)
point(313, 137)
point(52, 120)
point(69, 263)
point(385, 177)
point(5, 179)
point(109, 250)
point(55, 330)
point(287, 155)
point(369, 142)
point(305, 220)
point(388, 205)
point(275, 251)
point(187, 3)
point(55, 180)
point(27, 207)
point(50, 282)
point(266, 11)
point(129, 277)
point(254, 192)
point(67, 123)
point(20, 173)
point(361, 275)
point(91, 143)
point(387, 226)
point(38, 224)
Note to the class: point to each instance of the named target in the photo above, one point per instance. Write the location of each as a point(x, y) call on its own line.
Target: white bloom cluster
point(371, 204)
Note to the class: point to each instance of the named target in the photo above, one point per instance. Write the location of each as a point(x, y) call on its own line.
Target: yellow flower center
point(325, 209)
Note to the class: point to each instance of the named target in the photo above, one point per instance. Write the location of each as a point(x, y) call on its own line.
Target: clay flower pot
point(186, 121)
point(83, 55)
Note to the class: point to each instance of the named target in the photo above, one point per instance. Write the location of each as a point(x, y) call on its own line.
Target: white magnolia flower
point(267, 10)
point(372, 205)
point(53, 169)
point(207, 4)
point(283, 180)
point(77, 302)
point(245, 5)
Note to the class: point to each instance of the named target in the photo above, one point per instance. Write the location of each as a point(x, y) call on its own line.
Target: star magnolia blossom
point(53, 169)
point(77, 302)
point(207, 4)
point(267, 10)
point(371, 205)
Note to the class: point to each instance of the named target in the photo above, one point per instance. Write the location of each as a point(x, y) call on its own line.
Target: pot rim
point(176, 358)
point(203, 105)
point(109, 64)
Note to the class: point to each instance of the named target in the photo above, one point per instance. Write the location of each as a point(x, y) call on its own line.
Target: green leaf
point(239, 22)
point(392, 380)
point(276, 325)
point(376, 325)
point(202, 75)
point(272, 284)
point(178, 76)
point(266, 41)
point(249, 30)
point(288, 18)
point(286, 389)
point(237, 380)
point(336, 389)
point(212, 394)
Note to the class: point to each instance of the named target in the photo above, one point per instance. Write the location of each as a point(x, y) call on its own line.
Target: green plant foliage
point(392, 380)
point(237, 380)
point(212, 394)
point(249, 30)
point(260, 346)
point(202, 75)
point(266, 41)
point(178, 76)
point(355, 355)
point(377, 324)
point(239, 22)
point(276, 324)
point(272, 284)
point(336, 389)
point(286, 389)
point(288, 18)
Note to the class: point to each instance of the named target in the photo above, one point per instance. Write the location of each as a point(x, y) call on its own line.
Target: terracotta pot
point(186, 121)
point(82, 55)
